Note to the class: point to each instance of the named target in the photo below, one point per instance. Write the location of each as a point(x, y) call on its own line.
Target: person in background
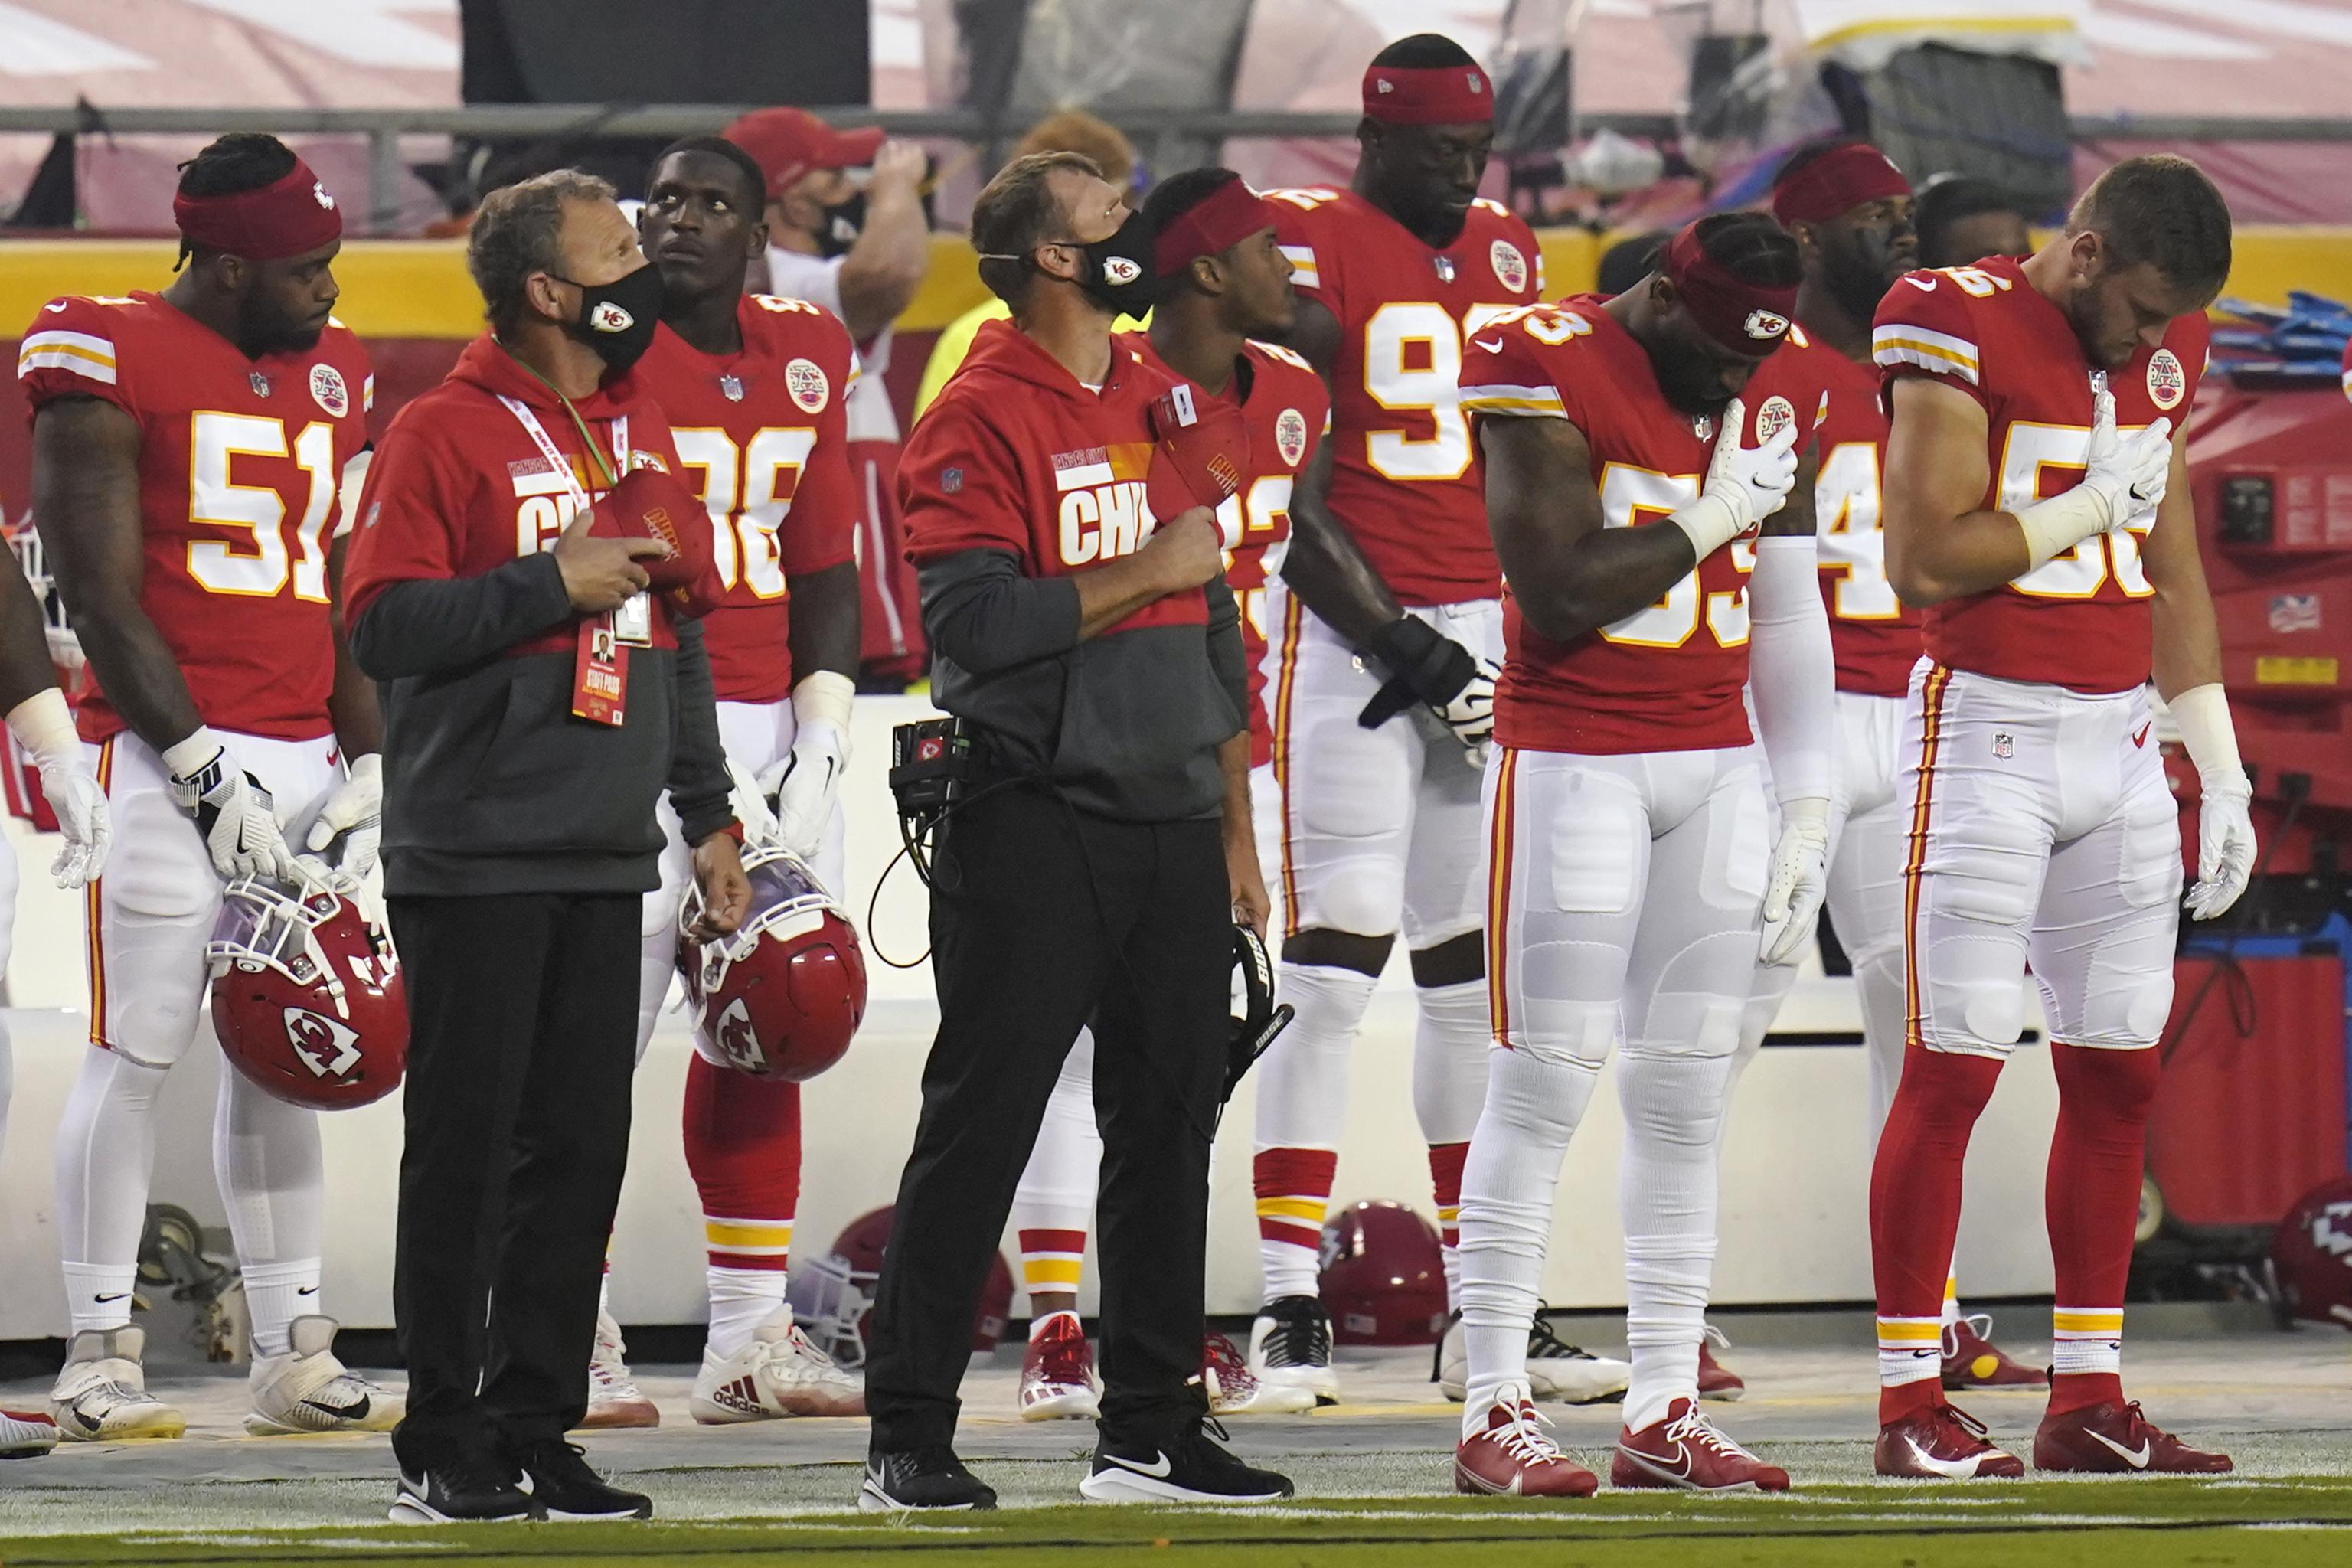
point(1962, 220)
point(847, 230)
point(1072, 131)
point(1629, 260)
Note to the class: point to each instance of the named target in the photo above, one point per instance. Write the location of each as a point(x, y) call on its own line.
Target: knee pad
point(1539, 1099)
point(1689, 1025)
point(1567, 1034)
point(1350, 781)
point(1360, 892)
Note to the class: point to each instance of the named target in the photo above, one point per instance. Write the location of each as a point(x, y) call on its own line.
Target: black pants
point(523, 1035)
point(1054, 918)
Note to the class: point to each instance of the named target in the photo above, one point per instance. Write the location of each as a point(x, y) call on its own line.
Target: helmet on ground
point(833, 1296)
point(1382, 1276)
point(782, 996)
point(307, 996)
point(2312, 1253)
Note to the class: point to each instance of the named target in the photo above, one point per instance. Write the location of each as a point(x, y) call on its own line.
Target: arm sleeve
point(982, 612)
point(820, 530)
point(1925, 328)
point(699, 784)
point(69, 351)
point(1792, 673)
point(1227, 657)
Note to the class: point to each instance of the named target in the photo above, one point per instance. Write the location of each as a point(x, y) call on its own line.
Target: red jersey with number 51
point(1288, 413)
point(1404, 476)
point(1875, 634)
point(761, 432)
point(239, 462)
point(2081, 619)
point(1668, 678)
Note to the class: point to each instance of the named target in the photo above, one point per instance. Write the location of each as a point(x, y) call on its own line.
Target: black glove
point(1430, 668)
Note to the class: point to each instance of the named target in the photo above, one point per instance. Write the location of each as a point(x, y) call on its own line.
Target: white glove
point(757, 818)
point(2121, 479)
point(44, 726)
point(2225, 847)
point(1800, 877)
point(1471, 714)
point(805, 784)
point(233, 812)
point(353, 813)
point(1745, 485)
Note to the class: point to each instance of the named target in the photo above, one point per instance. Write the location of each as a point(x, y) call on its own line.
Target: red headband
point(1226, 216)
point(1746, 318)
point(1837, 181)
point(1428, 95)
point(288, 216)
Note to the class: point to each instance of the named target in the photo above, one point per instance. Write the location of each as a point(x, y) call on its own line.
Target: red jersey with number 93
point(2082, 618)
point(1667, 678)
point(760, 433)
point(1404, 476)
point(239, 461)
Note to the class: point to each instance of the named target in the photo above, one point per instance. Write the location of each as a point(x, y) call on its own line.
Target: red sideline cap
point(1746, 318)
point(290, 216)
point(1219, 221)
point(1837, 181)
point(1428, 95)
point(789, 143)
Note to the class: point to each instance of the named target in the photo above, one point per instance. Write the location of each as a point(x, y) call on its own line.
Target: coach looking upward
point(537, 701)
point(1099, 659)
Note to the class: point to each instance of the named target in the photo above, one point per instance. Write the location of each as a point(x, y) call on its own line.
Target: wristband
point(824, 695)
point(186, 758)
point(2203, 714)
point(2056, 525)
point(44, 726)
point(1711, 522)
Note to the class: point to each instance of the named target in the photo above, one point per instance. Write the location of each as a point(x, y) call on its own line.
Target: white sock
point(97, 1295)
point(1451, 1042)
point(104, 1158)
point(1667, 1191)
point(740, 1301)
point(1055, 1201)
point(1302, 1092)
point(274, 1295)
point(1533, 1106)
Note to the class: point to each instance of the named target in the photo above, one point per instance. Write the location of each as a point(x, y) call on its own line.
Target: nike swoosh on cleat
point(1959, 1470)
point(1158, 1473)
point(353, 1412)
point(2137, 1461)
point(1681, 1471)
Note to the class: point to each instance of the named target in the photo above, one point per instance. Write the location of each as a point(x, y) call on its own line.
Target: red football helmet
point(1382, 1276)
point(307, 996)
point(833, 1296)
point(783, 995)
point(2311, 1251)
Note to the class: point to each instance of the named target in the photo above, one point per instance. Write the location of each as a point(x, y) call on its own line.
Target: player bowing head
point(247, 245)
point(1849, 210)
point(1698, 317)
point(1427, 130)
point(703, 221)
point(2147, 243)
point(1247, 279)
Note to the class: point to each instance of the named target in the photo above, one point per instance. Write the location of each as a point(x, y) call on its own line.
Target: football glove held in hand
point(233, 812)
point(1428, 666)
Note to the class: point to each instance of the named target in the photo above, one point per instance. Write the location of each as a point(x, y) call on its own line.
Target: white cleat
point(1234, 1390)
point(614, 1399)
point(1290, 1348)
point(777, 1372)
point(101, 1393)
point(26, 1434)
point(309, 1390)
point(1555, 1369)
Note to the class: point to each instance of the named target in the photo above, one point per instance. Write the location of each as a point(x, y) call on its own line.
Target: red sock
point(1294, 1189)
point(1445, 1160)
point(1915, 1201)
point(743, 1150)
point(2097, 1154)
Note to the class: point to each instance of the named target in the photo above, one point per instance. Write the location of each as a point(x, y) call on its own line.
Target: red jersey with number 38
point(760, 434)
point(2081, 619)
point(1404, 477)
point(1875, 634)
point(1668, 678)
point(239, 462)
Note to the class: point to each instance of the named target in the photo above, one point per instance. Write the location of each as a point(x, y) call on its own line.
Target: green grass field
point(2134, 1523)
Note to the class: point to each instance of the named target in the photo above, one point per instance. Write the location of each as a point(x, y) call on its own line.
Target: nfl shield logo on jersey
point(2002, 746)
point(732, 388)
point(258, 382)
point(1445, 265)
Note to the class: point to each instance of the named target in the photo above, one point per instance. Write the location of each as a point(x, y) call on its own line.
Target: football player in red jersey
point(754, 387)
point(2037, 503)
point(1849, 211)
point(187, 446)
point(1382, 688)
point(1226, 283)
point(1631, 443)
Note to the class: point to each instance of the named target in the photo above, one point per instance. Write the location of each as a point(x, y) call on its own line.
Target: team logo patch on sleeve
point(2166, 382)
point(807, 385)
point(1510, 267)
point(1290, 435)
point(326, 390)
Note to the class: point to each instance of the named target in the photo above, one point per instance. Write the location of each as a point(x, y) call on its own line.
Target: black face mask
point(1116, 271)
point(617, 319)
point(841, 223)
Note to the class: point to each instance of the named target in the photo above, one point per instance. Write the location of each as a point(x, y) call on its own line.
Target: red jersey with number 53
point(1875, 634)
point(760, 433)
point(239, 462)
point(2082, 618)
point(1404, 476)
point(1668, 678)
point(1288, 412)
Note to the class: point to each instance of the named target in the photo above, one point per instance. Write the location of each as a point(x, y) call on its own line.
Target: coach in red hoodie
point(537, 701)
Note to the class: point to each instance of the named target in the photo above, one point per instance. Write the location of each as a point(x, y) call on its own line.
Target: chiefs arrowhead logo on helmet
point(307, 996)
point(2311, 1254)
point(784, 995)
point(735, 1038)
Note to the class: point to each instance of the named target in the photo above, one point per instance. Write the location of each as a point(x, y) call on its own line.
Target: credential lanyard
point(600, 682)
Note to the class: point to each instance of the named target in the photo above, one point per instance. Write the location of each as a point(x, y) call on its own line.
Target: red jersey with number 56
point(1404, 476)
point(1668, 678)
point(239, 462)
point(1875, 634)
point(1288, 412)
point(2081, 619)
point(761, 432)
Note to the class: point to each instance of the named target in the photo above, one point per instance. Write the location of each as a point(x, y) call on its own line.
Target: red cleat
point(1684, 1451)
point(1512, 1458)
point(1717, 1381)
point(1942, 1443)
point(1972, 1361)
point(1057, 1373)
point(2116, 1439)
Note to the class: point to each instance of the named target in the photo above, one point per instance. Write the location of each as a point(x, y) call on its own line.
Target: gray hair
point(517, 231)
